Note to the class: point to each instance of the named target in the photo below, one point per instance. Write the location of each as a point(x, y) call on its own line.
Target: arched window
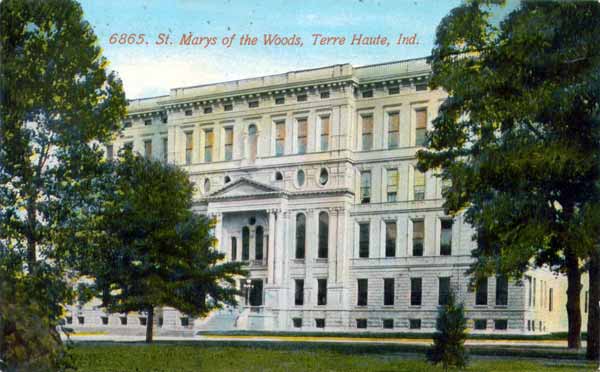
point(233, 248)
point(300, 177)
point(300, 235)
point(323, 234)
point(258, 253)
point(227, 179)
point(278, 176)
point(207, 185)
point(245, 243)
point(323, 176)
point(252, 141)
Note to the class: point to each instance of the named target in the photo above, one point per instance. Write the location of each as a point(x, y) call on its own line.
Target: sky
point(151, 70)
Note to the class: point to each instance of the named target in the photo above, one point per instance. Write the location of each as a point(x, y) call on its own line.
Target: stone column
point(342, 244)
point(271, 247)
point(218, 230)
point(332, 261)
point(278, 249)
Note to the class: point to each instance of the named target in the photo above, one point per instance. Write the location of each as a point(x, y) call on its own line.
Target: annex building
point(310, 176)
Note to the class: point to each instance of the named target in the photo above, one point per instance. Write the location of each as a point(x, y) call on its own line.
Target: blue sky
point(149, 70)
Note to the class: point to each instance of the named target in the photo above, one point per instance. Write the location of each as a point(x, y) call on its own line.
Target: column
point(333, 245)
point(342, 244)
point(271, 253)
point(278, 251)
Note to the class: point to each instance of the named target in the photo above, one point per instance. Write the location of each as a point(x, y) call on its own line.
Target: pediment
point(244, 187)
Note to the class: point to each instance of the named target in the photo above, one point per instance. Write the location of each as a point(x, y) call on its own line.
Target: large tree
point(57, 99)
point(147, 249)
point(519, 135)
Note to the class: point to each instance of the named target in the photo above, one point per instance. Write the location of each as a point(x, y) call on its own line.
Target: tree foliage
point(57, 102)
point(448, 346)
point(148, 249)
point(519, 135)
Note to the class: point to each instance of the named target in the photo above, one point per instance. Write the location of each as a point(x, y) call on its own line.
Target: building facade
point(310, 176)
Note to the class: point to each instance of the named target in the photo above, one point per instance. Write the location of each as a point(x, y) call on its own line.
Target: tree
point(518, 136)
point(449, 340)
point(149, 250)
point(57, 100)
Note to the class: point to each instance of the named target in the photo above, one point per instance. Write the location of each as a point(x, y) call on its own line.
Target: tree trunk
point(593, 326)
point(573, 298)
point(149, 325)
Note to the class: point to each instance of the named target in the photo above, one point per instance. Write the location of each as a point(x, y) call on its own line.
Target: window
point(143, 321)
point(323, 177)
point(165, 149)
point(419, 186)
point(259, 242)
point(256, 293)
point(550, 299)
point(189, 147)
point(446, 238)
point(420, 127)
point(301, 97)
point(418, 237)
point(109, 152)
point(415, 291)
point(104, 320)
point(279, 100)
point(127, 124)
point(279, 138)
point(233, 248)
point(228, 107)
point(209, 140)
point(367, 132)
point(148, 122)
point(480, 324)
point(586, 301)
point(363, 240)
point(365, 187)
point(323, 234)
point(164, 120)
point(252, 141)
point(388, 323)
point(297, 322)
point(188, 112)
point(81, 320)
point(208, 110)
point(501, 290)
point(390, 239)
point(325, 94)
point(253, 104)
point(529, 295)
point(325, 124)
point(278, 176)
point(361, 323)
point(393, 130)
point(300, 235)
point(321, 291)
point(300, 177)
point(388, 291)
point(367, 93)
point(420, 87)
point(481, 294)
point(123, 320)
point(185, 321)
point(227, 179)
point(501, 324)
point(392, 185)
point(414, 323)
point(320, 322)
point(206, 185)
point(394, 90)
point(444, 290)
point(228, 143)
point(245, 243)
point(69, 320)
point(299, 292)
point(302, 135)
point(363, 289)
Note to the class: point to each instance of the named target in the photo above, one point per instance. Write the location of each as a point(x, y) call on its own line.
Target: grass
point(247, 357)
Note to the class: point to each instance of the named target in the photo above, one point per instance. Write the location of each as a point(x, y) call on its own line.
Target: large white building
point(310, 176)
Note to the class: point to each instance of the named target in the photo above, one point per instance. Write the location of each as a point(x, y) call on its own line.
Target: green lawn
point(169, 357)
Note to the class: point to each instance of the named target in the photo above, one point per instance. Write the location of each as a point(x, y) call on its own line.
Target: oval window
point(323, 176)
point(207, 185)
point(227, 179)
point(301, 177)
